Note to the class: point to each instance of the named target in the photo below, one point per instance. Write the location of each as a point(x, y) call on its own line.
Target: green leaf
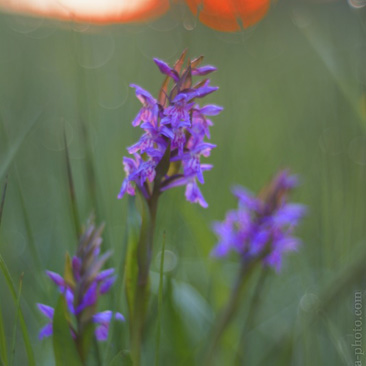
point(64, 347)
point(122, 358)
point(9, 282)
point(68, 273)
point(12, 356)
point(3, 346)
point(176, 343)
point(2, 203)
point(194, 309)
point(90, 345)
point(137, 275)
point(131, 267)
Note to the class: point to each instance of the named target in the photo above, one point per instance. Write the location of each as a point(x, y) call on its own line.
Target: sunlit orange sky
point(94, 11)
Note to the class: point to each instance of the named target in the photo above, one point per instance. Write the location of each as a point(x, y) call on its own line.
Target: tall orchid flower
point(168, 154)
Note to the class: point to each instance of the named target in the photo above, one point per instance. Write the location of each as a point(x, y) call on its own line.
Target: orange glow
point(91, 11)
point(223, 15)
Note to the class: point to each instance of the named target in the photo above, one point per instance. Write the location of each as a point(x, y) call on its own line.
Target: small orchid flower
point(83, 284)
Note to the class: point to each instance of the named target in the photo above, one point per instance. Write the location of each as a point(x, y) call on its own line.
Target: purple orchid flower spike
point(262, 226)
point(83, 284)
point(173, 122)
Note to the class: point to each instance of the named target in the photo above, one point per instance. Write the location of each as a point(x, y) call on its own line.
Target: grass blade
point(3, 198)
point(122, 358)
point(3, 345)
point(17, 311)
point(9, 281)
point(64, 347)
point(131, 269)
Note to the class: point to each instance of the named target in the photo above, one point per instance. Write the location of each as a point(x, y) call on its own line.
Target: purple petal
point(119, 317)
point(134, 148)
point(259, 240)
point(205, 167)
point(57, 279)
point(203, 91)
point(166, 69)
point(46, 331)
point(136, 121)
point(89, 298)
point(274, 260)
point(126, 187)
point(69, 296)
point(167, 132)
point(220, 250)
point(286, 181)
point(101, 332)
point(106, 316)
point(204, 70)
point(289, 214)
point(103, 319)
point(104, 274)
point(143, 95)
point(107, 284)
point(194, 195)
point(288, 244)
point(46, 310)
point(246, 198)
point(76, 267)
point(211, 110)
point(176, 183)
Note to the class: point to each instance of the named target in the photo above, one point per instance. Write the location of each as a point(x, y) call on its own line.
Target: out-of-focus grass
point(292, 89)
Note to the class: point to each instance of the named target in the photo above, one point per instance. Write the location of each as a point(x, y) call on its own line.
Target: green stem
point(79, 347)
point(251, 316)
point(142, 287)
point(230, 309)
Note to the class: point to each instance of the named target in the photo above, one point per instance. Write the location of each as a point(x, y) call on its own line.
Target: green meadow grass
point(294, 95)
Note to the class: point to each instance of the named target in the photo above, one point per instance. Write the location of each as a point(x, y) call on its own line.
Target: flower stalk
point(167, 155)
point(247, 268)
point(144, 254)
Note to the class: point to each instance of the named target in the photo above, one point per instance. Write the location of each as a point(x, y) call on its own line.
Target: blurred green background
point(293, 90)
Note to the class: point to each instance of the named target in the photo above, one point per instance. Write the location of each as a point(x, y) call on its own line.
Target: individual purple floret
point(176, 124)
point(81, 286)
point(262, 226)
